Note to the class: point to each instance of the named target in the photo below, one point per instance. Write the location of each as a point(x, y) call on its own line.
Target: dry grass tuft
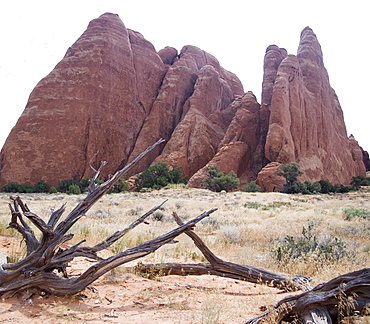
point(246, 229)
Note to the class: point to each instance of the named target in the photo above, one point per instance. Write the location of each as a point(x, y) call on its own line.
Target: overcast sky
point(36, 35)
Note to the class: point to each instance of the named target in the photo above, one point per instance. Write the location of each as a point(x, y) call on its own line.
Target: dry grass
point(245, 229)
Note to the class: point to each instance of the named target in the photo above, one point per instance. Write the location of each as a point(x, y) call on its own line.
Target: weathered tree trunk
point(223, 268)
point(329, 302)
point(44, 269)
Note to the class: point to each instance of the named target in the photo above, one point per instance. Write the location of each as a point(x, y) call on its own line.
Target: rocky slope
point(113, 95)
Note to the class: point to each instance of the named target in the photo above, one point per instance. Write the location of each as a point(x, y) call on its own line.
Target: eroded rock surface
point(113, 95)
point(306, 122)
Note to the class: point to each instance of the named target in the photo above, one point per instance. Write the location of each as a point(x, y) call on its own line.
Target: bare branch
point(246, 273)
point(351, 291)
point(117, 235)
point(55, 216)
point(82, 208)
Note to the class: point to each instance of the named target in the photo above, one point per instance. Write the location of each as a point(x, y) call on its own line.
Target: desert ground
point(247, 228)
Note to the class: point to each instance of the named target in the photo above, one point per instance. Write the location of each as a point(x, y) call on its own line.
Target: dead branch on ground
point(221, 268)
point(329, 302)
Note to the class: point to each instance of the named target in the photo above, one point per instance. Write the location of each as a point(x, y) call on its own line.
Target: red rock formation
point(268, 180)
point(94, 101)
point(366, 159)
point(229, 158)
point(306, 121)
point(202, 126)
point(114, 95)
point(237, 150)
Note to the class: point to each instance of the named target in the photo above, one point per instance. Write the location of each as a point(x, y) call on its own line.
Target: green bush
point(291, 172)
point(159, 176)
point(324, 248)
point(40, 187)
point(352, 212)
point(11, 187)
point(74, 189)
point(252, 187)
point(218, 181)
point(326, 186)
point(312, 188)
point(63, 185)
point(120, 186)
point(53, 190)
point(359, 181)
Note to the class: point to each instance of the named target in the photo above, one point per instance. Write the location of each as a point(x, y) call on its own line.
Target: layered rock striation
point(113, 95)
point(306, 122)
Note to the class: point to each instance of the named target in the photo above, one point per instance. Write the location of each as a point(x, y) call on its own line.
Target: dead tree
point(44, 270)
point(329, 302)
point(219, 267)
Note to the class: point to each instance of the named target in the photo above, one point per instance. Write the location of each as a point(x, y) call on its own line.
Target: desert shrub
point(312, 188)
point(307, 245)
point(42, 186)
point(53, 190)
point(291, 172)
point(359, 181)
point(74, 189)
point(218, 181)
point(63, 185)
point(252, 205)
point(252, 187)
point(159, 176)
point(11, 187)
point(120, 186)
point(326, 186)
point(158, 215)
point(230, 234)
point(135, 211)
point(352, 212)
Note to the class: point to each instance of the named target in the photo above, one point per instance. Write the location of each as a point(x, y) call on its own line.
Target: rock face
point(94, 101)
point(306, 122)
point(113, 95)
point(268, 180)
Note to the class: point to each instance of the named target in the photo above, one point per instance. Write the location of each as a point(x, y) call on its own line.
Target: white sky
point(36, 34)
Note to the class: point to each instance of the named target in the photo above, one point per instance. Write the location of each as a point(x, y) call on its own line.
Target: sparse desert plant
point(211, 311)
point(159, 176)
point(74, 189)
point(230, 234)
point(252, 205)
point(291, 172)
point(352, 212)
point(219, 181)
point(252, 187)
point(158, 215)
point(135, 211)
point(303, 247)
point(53, 190)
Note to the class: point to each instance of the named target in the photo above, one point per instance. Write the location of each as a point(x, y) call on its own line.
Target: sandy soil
point(121, 297)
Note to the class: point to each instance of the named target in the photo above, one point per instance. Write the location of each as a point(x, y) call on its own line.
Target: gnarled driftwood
point(219, 267)
point(328, 302)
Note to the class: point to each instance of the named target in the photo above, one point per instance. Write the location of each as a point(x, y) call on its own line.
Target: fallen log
point(329, 302)
point(44, 270)
point(221, 268)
